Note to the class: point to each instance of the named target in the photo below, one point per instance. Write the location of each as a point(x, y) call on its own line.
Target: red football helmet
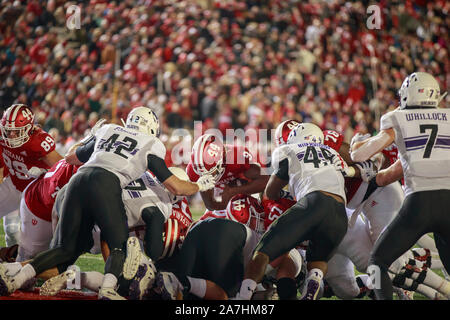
point(283, 130)
point(246, 210)
point(173, 236)
point(207, 156)
point(16, 124)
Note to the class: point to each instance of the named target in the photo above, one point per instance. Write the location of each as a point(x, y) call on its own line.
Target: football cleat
point(168, 286)
point(133, 259)
point(312, 289)
point(143, 281)
point(109, 294)
point(55, 284)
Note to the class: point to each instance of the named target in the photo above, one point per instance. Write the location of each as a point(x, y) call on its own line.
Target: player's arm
point(212, 203)
point(51, 158)
point(390, 174)
point(80, 153)
point(363, 150)
point(277, 181)
point(256, 184)
point(175, 185)
point(344, 152)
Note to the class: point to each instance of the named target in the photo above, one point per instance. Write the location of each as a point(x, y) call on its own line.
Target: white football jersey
point(144, 192)
point(310, 169)
point(124, 152)
point(423, 140)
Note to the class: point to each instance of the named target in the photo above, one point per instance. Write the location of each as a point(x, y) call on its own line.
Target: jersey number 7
point(432, 138)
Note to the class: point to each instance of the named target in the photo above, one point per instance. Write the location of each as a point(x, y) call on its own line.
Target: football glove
point(205, 182)
point(36, 172)
point(342, 166)
point(367, 169)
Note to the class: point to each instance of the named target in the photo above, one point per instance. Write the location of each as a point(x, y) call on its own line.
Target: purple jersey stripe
point(442, 141)
point(416, 137)
point(415, 143)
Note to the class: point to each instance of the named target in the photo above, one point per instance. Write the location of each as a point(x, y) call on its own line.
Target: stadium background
point(230, 64)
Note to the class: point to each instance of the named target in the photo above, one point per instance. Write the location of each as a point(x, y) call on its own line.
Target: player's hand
point(359, 137)
point(97, 126)
point(368, 170)
point(227, 194)
point(205, 183)
point(36, 172)
point(341, 165)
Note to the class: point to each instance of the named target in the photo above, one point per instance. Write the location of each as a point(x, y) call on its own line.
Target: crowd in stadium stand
point(228, 63)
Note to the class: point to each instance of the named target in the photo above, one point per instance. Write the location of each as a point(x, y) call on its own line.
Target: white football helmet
point(144, 120)
point(419, 89)
point(306, 132)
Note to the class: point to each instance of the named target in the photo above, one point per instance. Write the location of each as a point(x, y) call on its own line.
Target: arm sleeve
point(84, 152)
point(282, 171)
point(159, 168)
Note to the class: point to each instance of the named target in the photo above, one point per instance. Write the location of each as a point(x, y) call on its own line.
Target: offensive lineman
point(421, 132)
point(113, 158)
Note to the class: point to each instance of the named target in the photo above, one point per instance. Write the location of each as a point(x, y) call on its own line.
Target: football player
point(358, 242)
point(420, 131)
point(113, 158)
point(26, 150)
point(36, 206)
point(312, 171)
point(139, 197)
point(232, 167)
point(219, 276)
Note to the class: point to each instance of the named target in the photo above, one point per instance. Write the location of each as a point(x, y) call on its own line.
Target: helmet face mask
point(144, 120)
point(306, 132)
point(207, 156)
point(419, 89)
point(16, 125)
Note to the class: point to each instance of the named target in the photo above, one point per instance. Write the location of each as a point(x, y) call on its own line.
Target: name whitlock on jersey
point(422, 137)
point(145, 192)
point(123, 152)
point(310, 169)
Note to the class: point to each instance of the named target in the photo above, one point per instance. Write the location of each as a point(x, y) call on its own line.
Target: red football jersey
point(182, 213)
point(237, 161)
point(41, 193)
point(275, 208)
point(19, 160)
point(334, 140)
point(391, 152)
point(214, 214)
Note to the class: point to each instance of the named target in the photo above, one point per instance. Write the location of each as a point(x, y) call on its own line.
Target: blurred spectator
point(228, 63)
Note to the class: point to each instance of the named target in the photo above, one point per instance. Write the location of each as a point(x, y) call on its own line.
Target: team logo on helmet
point(16, 125)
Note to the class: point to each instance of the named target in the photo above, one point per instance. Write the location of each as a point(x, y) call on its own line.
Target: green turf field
point(91, 262)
